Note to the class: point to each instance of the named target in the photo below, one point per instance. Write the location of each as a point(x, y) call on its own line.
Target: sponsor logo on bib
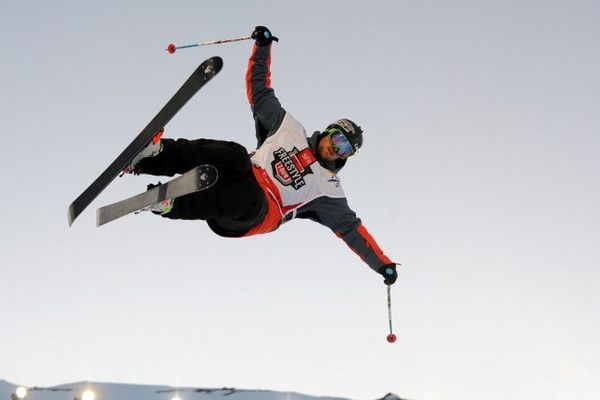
point(289, 168)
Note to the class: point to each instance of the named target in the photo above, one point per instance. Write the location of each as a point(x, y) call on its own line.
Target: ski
point(199, 178)
point(205, 72)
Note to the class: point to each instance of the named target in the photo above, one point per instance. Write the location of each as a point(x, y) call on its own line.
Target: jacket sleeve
point(266, 109)
point(335, 214)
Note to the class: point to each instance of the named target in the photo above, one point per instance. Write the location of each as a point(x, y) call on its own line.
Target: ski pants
point(234, 205)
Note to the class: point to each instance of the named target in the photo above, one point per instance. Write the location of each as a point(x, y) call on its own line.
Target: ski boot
point(152, 149)
point(160, 208)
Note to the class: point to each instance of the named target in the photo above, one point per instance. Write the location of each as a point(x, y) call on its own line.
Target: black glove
point(389, 273)
point(263, 36)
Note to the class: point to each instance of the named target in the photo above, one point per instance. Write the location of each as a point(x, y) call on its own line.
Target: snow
point(119, 391)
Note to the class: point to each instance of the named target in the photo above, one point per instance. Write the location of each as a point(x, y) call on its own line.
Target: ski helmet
point(352, 132)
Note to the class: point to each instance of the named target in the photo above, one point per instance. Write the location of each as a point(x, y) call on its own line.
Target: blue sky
point(478, 174)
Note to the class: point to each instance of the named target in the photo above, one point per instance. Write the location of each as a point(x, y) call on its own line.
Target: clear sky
point(479, 174)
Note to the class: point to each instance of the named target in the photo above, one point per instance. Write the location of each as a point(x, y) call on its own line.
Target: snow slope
point(114, 391)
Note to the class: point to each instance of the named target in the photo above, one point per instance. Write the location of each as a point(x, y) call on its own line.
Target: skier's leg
point(179, 156)
point(241, 200)
point(152, 149)
point(235, 196)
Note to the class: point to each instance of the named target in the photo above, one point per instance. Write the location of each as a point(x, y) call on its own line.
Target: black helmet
point(352, 132)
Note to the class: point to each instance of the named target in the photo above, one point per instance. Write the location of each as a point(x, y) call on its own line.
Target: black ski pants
point(234, 205)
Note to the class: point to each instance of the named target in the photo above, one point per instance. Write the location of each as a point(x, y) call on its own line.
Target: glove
point(263, 36)
point(389, 273)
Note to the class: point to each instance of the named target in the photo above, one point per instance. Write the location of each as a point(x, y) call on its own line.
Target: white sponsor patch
point(346, 125)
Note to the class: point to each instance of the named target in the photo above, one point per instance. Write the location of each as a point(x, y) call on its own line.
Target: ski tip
point(210, 67)
point(208, 175)
point(216, 62)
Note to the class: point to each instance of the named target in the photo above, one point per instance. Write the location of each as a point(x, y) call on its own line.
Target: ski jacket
point(295, 182)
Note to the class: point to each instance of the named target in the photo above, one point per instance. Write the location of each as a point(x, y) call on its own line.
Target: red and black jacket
point(333, 213)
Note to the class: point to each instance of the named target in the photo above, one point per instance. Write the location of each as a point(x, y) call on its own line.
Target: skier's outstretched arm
point(337, 215)
point(267, 111)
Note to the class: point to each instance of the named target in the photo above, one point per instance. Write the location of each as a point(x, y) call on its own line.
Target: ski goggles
point(340, 143)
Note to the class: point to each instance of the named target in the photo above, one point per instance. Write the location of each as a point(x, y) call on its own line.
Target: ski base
point(195, 180)
point(204, 73)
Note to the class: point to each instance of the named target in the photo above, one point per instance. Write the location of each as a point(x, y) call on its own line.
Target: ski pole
point(171, 48)
point(391, 337)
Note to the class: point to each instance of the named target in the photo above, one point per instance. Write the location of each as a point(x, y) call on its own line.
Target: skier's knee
point(238, 151)
point(238, 157)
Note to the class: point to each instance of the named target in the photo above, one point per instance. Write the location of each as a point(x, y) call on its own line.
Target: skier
point(288, 176)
